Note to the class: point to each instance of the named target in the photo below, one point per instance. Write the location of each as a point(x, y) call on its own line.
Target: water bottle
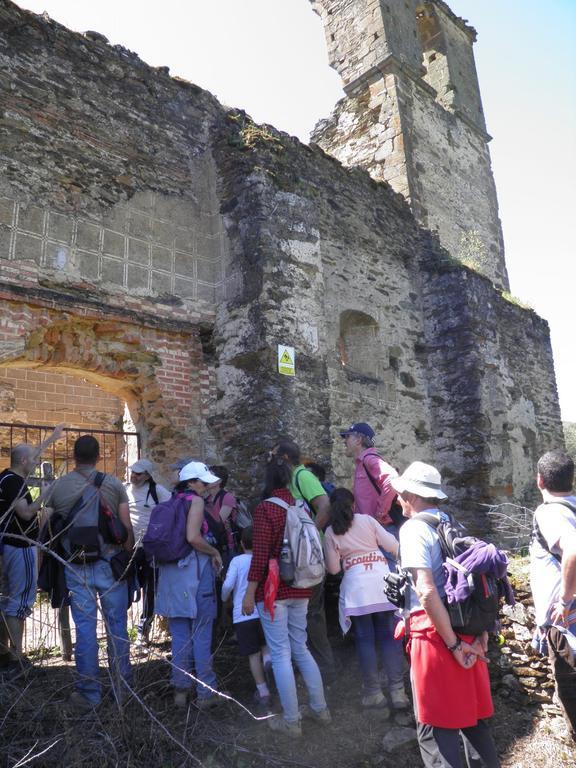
point(286, 565)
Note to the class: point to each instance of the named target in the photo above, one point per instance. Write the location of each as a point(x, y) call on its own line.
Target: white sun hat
point(421, 479)
point(196, 469)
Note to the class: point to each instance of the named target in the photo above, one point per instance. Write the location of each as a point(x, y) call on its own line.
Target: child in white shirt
point(249, 633)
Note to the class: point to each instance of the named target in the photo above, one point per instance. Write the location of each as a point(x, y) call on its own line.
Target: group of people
point(365, 533)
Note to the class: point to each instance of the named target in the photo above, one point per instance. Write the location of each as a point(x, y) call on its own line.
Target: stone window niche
point(435, 59)
point(359, 343)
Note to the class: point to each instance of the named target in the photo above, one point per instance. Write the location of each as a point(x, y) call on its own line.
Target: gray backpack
point(92, 530)
point(301, 557)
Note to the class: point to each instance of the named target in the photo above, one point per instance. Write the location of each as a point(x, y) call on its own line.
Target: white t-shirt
point(141, 506)
point(555, 522)
point(237, 581)
point(420, 548)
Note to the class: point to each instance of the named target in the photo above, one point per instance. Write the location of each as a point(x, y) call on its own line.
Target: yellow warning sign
point(286, 360)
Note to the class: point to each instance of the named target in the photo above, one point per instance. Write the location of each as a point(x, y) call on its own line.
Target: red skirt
point(446, 694)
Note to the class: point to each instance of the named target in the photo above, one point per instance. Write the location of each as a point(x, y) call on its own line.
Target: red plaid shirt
point(269, 521)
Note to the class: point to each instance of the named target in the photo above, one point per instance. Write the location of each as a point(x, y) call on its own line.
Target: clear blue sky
point(269, 57)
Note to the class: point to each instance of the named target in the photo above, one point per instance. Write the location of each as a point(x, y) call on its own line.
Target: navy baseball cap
point(360, 428)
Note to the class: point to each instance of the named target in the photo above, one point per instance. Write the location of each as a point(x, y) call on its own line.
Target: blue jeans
point(286, 638)
point(375, 632)
point(86, 583)
point(192, 640)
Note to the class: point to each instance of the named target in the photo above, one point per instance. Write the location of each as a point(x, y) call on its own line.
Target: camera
point(395, 587)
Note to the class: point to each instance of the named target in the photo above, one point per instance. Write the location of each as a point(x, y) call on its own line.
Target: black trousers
point(441, 747)
point(318, 642)
point(564, 668)
point(147, 579)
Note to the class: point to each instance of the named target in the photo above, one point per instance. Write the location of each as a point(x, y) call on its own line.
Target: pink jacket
point(366, 498)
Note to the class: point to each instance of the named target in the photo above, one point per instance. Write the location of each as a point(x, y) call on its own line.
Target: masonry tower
point(412, 116)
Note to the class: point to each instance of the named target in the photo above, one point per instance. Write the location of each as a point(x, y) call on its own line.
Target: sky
point(269, 58)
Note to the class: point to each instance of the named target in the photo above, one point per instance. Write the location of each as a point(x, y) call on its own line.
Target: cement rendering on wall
point(165, 246)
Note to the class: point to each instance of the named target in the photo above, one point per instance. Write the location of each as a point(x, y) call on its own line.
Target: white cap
point(423, 480)
point(142, 465)
point(196, 469)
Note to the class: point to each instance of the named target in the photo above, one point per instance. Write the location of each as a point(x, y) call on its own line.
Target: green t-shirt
point(308, 487)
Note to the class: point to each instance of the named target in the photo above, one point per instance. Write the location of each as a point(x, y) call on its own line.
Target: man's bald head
point(22, 457)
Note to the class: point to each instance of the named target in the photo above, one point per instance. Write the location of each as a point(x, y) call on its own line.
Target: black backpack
point(480, 610)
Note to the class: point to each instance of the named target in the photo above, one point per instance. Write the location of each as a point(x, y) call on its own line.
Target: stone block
point(31, 219)
point(114, 243)
point(60, 227)
point(161, 283)
point(184, 288)
point(208, 271)
point(6, 211)
point(140, 225)
point(184, 240)
point(163, 233)
point(88, 265)
point(162, 258)
point(185, 265)
point(206, 292)
point(138, 277)
point(138, 251)
point(112, 271)
point(28, 247)
point(58, 256)
point(88, 236)
point(5, 240)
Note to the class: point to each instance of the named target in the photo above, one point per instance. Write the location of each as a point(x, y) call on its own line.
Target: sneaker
point(399, 699)
point(278, 724)
point(180, 698)
point(374, 700)
point(80, 703)
point(322, 716)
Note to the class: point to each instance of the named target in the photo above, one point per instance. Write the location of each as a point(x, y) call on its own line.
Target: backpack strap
point(278, 502)
point(152, 492)
point(298, 485)
point(539, 536)
point(433, 521)
point(370, 476)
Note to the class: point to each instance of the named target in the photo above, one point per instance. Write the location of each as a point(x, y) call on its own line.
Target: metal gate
point(47, 628)
point(117, 449)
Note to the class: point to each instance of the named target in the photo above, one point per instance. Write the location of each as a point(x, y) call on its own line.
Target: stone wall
point(256, 240)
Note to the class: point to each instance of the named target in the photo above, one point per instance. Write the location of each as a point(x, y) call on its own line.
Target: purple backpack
point(165, 538)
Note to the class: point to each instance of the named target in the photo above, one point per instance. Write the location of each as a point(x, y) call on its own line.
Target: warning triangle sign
point(286, 359)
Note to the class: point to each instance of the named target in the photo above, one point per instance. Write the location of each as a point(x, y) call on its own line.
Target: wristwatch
point(456, 645)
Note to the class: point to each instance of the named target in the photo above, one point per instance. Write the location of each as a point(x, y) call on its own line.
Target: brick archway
point(157, 372)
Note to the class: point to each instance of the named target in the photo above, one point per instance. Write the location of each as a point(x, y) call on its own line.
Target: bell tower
point(412, 116)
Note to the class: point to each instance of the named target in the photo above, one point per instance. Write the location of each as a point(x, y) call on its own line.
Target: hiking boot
point(209, 702)
point(322, 716)
point(376, 700)
point(263, 704)
point(180, 698)
point(278, 724)
point(79, 703)
point(399, 699)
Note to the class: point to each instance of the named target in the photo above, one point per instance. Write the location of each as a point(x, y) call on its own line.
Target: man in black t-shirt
point(18, 532)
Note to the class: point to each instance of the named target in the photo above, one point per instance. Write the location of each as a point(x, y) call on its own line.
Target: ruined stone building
point(156, 247)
